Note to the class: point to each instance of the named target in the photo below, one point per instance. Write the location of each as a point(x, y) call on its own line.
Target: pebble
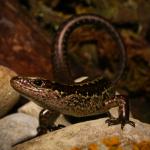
point(15, 128)
point(92, 135)
point(8, 96)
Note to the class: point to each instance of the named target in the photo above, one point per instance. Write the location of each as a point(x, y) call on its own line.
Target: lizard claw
point(41, 130)
point(115, 121)
point(112, 121)
point(123, 123)
point(53, 128)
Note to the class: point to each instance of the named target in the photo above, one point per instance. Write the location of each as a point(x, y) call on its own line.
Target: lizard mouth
point(15, 82)
point(24, 86)
point(20, 83)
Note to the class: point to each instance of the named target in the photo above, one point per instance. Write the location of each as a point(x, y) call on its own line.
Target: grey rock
point(8, 96)
point(83, 135)
point(15, 128)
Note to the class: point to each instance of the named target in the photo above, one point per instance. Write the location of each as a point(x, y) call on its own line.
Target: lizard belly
point(80, 106)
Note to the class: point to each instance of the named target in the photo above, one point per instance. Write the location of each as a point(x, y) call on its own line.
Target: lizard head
point(37, 89)
point(26, 84)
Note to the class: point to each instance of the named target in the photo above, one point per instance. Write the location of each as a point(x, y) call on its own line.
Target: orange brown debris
point(75, 148)
point(111, 141)
point(93, 147)
point(144, 145)
point(135, 147)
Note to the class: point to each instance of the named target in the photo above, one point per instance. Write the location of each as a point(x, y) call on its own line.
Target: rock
point(92, 135)
point(33, 109)
point(62, 120)
point(15, 128)
point(8, 96)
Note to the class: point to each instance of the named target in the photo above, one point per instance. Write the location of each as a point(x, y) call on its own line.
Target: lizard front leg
point(123, 118)
point(46, 121)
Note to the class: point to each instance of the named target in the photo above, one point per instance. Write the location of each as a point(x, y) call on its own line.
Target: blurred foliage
point(118, 11)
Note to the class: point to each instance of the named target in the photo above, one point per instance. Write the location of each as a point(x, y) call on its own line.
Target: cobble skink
point(83, 99)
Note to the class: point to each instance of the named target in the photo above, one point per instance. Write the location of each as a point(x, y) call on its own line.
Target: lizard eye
point(38, 82)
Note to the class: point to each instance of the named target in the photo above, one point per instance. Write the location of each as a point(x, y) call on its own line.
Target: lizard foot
point(43, 130)
point(123, 122)
point(54, 127)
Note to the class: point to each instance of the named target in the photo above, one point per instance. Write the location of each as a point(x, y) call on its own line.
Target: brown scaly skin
point(75, 100)
point(86, 99)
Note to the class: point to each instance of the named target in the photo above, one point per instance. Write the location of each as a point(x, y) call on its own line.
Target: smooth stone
point(90, 134)
point(8, 96)
point(33, 109)
point(15, 128)
point(62, 120)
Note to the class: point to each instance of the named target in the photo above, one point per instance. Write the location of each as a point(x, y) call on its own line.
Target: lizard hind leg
point(123, 118)
point(46, 121)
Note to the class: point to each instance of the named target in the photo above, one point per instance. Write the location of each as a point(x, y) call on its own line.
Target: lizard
point(79, 100)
